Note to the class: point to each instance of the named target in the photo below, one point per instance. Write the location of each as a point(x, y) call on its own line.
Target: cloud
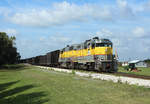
point(145, 7)
point(116, 42)
point(61, 13)
point(10, 32)
point(104, 33)
point(60, 39)
point(125, 10)
point(148, 5)
point(142, 7)
point(55, 41)
point(4, 11)
point(139, 32)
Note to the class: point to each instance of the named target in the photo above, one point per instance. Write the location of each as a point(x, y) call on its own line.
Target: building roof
point(134, 61)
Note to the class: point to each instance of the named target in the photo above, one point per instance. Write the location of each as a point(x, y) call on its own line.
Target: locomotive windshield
point(103, 45)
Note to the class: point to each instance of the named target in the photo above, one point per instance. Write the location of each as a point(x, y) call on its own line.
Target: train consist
point(93, 54)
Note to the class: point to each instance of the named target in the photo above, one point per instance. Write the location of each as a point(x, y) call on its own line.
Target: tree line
point(8, 51)
point(147, 61)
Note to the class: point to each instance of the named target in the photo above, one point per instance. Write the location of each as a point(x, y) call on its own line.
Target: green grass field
point(143, 71)
point(28, 85)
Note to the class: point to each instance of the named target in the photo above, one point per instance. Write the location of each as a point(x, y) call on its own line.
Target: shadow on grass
point(13, 67)
point(12, 96)
point(6, 85)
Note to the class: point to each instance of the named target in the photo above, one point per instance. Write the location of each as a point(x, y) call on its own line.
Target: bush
point(73, 72)
point(126, 67)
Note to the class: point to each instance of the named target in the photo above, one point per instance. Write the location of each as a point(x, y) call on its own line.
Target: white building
point(138, 63)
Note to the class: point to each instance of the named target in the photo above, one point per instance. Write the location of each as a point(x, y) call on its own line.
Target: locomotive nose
point(108, 50)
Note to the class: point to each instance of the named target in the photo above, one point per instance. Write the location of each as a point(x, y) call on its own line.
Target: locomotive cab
point(104, 60)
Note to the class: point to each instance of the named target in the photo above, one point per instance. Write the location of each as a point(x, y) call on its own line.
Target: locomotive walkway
point(115, 79)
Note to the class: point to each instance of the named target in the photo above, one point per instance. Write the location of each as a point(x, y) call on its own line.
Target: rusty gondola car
point(52, 58)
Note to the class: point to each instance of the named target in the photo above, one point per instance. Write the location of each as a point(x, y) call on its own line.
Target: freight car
point(52, 58)
point(93, 54)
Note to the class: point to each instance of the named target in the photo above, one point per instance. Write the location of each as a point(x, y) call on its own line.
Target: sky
point(41, 26)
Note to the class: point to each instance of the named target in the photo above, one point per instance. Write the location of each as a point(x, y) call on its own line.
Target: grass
point(143, 71)
point(73, 72)
point(28, 85)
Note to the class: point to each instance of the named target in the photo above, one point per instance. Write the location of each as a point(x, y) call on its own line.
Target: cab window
point(103, 45)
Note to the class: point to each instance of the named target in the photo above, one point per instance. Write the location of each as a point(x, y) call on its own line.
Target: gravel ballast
point(115, 79)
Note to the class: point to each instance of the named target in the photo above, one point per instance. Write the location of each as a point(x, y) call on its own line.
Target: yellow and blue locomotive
point(94, 54)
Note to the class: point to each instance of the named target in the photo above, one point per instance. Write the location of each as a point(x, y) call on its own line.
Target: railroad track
point(132, 75)
point(119, 74)
point(126, 78)
point(122, 74)
point(116, 73)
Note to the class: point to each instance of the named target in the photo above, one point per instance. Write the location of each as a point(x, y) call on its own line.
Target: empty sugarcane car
point(43, 60)
point(52, 58)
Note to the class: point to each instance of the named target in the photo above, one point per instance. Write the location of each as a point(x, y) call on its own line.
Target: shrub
point(73, 72)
